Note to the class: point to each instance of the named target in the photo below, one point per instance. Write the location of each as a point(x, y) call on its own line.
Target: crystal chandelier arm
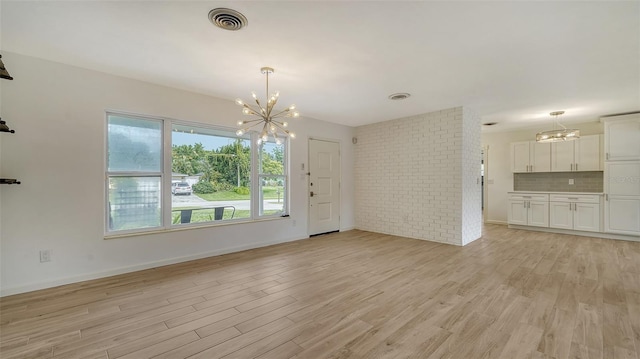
point(281, 128)
point(248, 122)
point(258, 102)
point(283, 124)
point(282, 113)
point(246, 129)
point(248, 110)
point(271, 104)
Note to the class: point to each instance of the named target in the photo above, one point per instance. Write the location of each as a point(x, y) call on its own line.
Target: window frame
point(166, 224)
point(131, 174)
point(260, 175)
point(231, 132)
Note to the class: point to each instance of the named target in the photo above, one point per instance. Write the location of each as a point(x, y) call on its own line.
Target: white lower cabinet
point(528, 209)
point(576, 212)
point(560, 215)
point(538, 214)
point(622, 204)
point(622, 215)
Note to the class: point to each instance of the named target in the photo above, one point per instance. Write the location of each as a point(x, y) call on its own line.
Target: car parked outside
point(181, 188)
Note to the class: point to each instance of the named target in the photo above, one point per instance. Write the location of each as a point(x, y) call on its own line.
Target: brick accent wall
point(413, 175)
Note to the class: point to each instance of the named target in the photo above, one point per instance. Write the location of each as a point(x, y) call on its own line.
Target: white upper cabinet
point(582, 154)
point(520, 157)
point(622, 138)
point(588, 154)
point(540, 157)
point(562, 154)
point(530, 156)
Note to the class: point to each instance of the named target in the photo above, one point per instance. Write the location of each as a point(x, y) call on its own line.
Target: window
point(134, 173)
point(217, 166)
point(214, 175)
point(272, 179)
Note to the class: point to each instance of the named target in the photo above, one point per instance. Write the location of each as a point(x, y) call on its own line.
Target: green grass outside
point(269, 193)
point(207, 215)
point(122, 219)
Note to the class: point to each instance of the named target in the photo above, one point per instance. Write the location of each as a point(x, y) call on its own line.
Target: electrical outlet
point(571, 181)
point(45, 256)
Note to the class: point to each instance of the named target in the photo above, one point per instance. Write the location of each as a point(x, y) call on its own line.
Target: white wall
point(471, 187)
point(411, 177)
point(58, 112)
point(498, 175)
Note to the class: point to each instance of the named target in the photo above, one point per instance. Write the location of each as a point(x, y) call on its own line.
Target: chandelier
point(557, 135)
point(267, 117)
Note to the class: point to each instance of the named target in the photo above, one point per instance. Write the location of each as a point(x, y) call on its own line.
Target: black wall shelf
point(3, 124)
point(9, 181)
point(4, 127)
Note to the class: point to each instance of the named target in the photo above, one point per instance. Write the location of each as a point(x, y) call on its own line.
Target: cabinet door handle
point(531, 168)
point(528, 204)
point(576, 166)
point(606, 197)
point(524, 204)
point(607, 155)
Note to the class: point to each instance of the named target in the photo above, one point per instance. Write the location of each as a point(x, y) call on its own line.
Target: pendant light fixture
point(557, 135)
point(267, 116)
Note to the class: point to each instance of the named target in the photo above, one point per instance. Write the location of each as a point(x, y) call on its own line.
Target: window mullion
point(167, 170)
point(255, 177)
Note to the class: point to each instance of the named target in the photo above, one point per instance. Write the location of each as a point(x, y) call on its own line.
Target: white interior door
point(324, 186)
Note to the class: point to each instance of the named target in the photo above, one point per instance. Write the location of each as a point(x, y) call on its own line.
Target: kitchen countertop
point(552, 192)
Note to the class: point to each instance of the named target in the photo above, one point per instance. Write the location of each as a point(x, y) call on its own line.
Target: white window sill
point(192, 226)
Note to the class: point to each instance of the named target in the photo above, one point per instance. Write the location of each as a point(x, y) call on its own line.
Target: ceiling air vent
point(399, 96)
point(228, 19)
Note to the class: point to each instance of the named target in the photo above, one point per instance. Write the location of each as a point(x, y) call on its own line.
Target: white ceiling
point(511, 62)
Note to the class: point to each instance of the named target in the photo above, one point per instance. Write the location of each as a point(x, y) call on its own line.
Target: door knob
point(311, 194)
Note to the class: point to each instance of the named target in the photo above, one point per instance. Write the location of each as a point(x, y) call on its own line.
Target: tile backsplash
point(559, 181)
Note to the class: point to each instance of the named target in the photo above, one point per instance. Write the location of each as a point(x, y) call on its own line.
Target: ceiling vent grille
point(228, 19)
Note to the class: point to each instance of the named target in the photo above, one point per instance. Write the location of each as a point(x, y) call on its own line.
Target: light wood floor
point(512, 294)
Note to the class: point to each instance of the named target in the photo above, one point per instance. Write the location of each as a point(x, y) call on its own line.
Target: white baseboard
point(138, 267)
point(489, 221)
point(578, 233)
